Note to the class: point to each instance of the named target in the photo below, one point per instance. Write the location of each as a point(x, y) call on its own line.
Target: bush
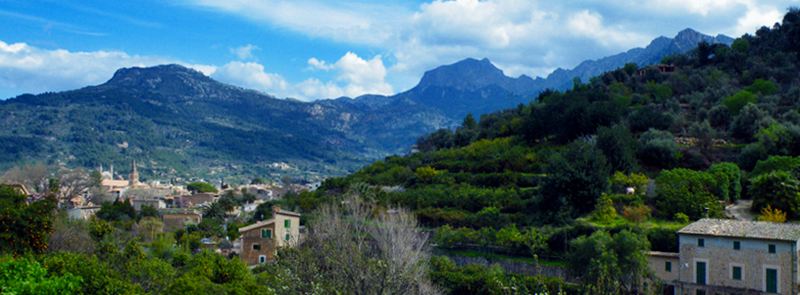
point(728, 181)
point(658, 148)
point(637, 213)
point(778, 189)
point(201, 187)
point(736, 102)
point(686, 191)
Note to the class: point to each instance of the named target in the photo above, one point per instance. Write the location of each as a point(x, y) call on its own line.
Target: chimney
point(275, 210)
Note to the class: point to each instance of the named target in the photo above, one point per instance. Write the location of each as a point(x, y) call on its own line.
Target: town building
point(175, 219)
point(260, 241)
point(721, 256)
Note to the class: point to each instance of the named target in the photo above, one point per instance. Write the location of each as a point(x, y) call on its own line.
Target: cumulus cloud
point(251, 75)
point(524, 37)
point(244, 52)
point(25, 68)
point(354, 76)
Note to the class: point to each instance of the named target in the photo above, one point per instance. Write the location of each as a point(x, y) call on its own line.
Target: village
point(715, 256)
point(180, 206)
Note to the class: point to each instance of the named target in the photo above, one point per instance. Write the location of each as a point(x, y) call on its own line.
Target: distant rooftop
point(743, 229)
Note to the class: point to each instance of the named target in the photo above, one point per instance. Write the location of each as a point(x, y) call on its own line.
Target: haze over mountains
point(175, 119)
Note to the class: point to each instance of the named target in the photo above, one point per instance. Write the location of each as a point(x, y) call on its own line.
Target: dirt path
point(740, 210)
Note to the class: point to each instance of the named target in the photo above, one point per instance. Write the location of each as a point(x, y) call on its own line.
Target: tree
point(658, 148)
point(736, 102)
point(607, 264)
point(619, 147)
point(70, 236)
point(779, 189)
point(383, 253)
point(728, 179)
point(26, 276)
point(35, 177)
point(686, 191)
point(118, 210)
point(575, 180)
point(24, 227)
point(201, 187)
point(73, 182)
point(748, 122)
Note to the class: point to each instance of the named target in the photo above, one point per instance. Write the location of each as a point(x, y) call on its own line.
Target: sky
point(311, 49)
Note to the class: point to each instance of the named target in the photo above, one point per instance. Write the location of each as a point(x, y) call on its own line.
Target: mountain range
point(177, 121)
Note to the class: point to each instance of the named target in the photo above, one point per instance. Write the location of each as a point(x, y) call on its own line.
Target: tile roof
point(268, 221)
point(744, 229)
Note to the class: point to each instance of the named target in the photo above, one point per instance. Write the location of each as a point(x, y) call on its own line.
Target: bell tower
point(133, 179)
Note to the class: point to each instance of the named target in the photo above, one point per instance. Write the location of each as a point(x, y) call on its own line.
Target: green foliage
point(476, 279)
point(775, 163)
point(658, 148)
point(620, 182)
point(619, 147)
point(748, 122)
point(201, 187)
point(604, 211)
point(575, 180)
point(778, 189)
point(118, 210)
point(763, 87)
point(686, 191)
point(729, 181)
point(609, 264)
point(25, 276)
point(24, 227)
point(736, 102)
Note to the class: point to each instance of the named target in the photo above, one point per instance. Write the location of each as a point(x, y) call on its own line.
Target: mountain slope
point(171, 117)
point(177, 120)
point(659, 48)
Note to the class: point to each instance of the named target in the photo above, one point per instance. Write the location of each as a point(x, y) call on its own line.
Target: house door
point(772, 280)
point(701, 273)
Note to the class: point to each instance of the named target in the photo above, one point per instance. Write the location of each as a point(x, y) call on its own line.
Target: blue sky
point(310, 49)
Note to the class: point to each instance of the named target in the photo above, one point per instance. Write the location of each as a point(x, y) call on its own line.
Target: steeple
point(134, 177)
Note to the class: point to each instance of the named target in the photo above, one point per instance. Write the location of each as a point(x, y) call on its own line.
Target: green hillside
point(722, 125)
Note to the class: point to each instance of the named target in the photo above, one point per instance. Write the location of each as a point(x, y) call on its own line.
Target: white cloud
point(523, 36)
point(244, 52)
point(756, 17)
point(590, 25)
point(26, 68)
point(319, 64)
point(251, 75)
point(354, 76)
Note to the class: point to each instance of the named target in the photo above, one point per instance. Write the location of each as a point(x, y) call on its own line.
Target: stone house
point(259, 241)
point(721, 256)
point(198, 200)
point(175, 219)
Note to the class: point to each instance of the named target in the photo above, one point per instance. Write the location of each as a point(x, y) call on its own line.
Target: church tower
point(134, 177)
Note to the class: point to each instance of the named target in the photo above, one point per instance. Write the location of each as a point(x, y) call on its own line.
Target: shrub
point(637, 213)
point(772, 215)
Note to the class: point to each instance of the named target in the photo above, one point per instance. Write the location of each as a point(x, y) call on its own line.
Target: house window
point(257, 247)
point(668, 266)
point(266, 233)
point(287, 223)
point(736, 273)
point(262, 258)
point(288, 237)
point(772, 248)
point(736, 245)
point(701, 243)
